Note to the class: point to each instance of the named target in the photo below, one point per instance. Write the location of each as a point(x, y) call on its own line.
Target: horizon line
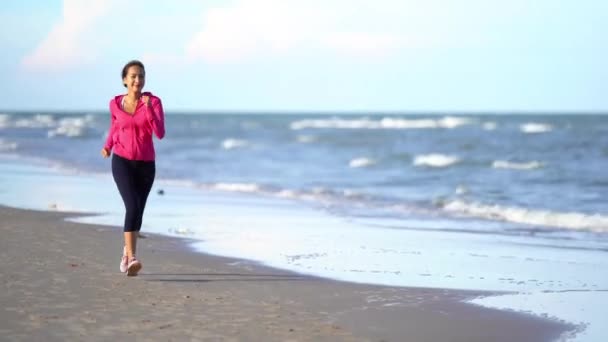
point(326, 112)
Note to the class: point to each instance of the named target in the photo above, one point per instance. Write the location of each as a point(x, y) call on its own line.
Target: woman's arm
point(156, 116)
point(110, 139)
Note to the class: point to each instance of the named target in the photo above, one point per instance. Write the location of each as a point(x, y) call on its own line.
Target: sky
point(315, 55)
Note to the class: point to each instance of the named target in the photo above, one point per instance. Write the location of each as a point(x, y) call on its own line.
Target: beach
point(304, 171)
point(390, 228)
point(61, 282)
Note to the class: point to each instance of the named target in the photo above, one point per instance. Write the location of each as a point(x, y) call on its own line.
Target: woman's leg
point(146, 172)
point(131, 243)
point(124, 175)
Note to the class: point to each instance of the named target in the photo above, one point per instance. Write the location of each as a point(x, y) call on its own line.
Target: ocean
point(544, 174)
point(495, 202)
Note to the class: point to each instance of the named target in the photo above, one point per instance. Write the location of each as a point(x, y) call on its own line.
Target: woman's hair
point(125, 69)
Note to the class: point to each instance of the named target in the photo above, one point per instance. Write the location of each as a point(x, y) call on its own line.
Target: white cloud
point(66, 44)
point(254, 28)
point(246, 30)
point(363, 44)
point(164, 59)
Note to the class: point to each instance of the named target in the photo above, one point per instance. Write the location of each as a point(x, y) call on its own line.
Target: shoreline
point(68, 287)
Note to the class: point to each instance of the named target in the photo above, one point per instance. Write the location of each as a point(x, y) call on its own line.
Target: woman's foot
point(133, 267)
point(124, 261)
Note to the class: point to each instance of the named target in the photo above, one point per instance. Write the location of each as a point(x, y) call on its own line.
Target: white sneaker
point(133, 267)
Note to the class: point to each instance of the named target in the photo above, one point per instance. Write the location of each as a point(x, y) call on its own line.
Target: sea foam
point(71, 127)
point(534, 127)
point(435, 160)
point(237, 187)
point(37, 121)
point(566, 220)
point(361, 162)
point(5, 120)
point(503, 164)
point(229, 144)
point(384, 123)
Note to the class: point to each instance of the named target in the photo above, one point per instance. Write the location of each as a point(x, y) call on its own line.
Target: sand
point(60, 282)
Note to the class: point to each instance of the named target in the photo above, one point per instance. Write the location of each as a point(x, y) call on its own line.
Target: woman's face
point(135, 79)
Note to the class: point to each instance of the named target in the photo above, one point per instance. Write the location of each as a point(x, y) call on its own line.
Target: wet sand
point(60, 281)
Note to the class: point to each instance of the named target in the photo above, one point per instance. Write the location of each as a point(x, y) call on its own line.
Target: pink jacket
point(131, 135)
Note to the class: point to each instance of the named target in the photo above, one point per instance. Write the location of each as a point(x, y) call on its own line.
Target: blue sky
point(325, 55)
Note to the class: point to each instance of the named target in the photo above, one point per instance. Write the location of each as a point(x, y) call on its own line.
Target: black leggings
point(134, 179)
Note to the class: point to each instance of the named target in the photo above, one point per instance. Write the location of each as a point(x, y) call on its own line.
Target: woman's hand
point(105, 153)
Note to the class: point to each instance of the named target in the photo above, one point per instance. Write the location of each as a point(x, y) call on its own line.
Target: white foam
point(316, 194)
point(503, 164)
point(453, 122)
point(384, 123)
point(361, 162)
point(331, 123)
point(71, 127)
point(534, 127)
point(287, 194)
point(489, 126)
point(231, 143)
point(5, 120)
point(37, 121)
point(435, 160)
point(351, 193)
point(68, 126)
point(461, 190)
point(567, 220)
point(237, 187)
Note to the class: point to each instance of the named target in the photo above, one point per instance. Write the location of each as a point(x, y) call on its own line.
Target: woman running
point(134, 117)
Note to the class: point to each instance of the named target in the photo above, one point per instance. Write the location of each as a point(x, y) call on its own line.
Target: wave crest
point(72, 127)
point(448, 122)
point(503, 164)
point(361, 162)
point(435, 160)
point(230, 144)
point(534, 127)
point(237, 187)
point(568, 220)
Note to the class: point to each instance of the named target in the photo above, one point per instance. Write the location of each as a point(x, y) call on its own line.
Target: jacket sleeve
point(110, 139)
point(156, 117)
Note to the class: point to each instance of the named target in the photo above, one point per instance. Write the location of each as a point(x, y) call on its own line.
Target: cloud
point(250, 30)
point(260, 28)
point(363, 44)
point(160, 58)
point(67, 45)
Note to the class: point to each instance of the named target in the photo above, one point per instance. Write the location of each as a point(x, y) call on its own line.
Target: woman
point(135, 116)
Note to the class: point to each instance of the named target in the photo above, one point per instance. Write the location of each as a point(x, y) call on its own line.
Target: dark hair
point(134, 62)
